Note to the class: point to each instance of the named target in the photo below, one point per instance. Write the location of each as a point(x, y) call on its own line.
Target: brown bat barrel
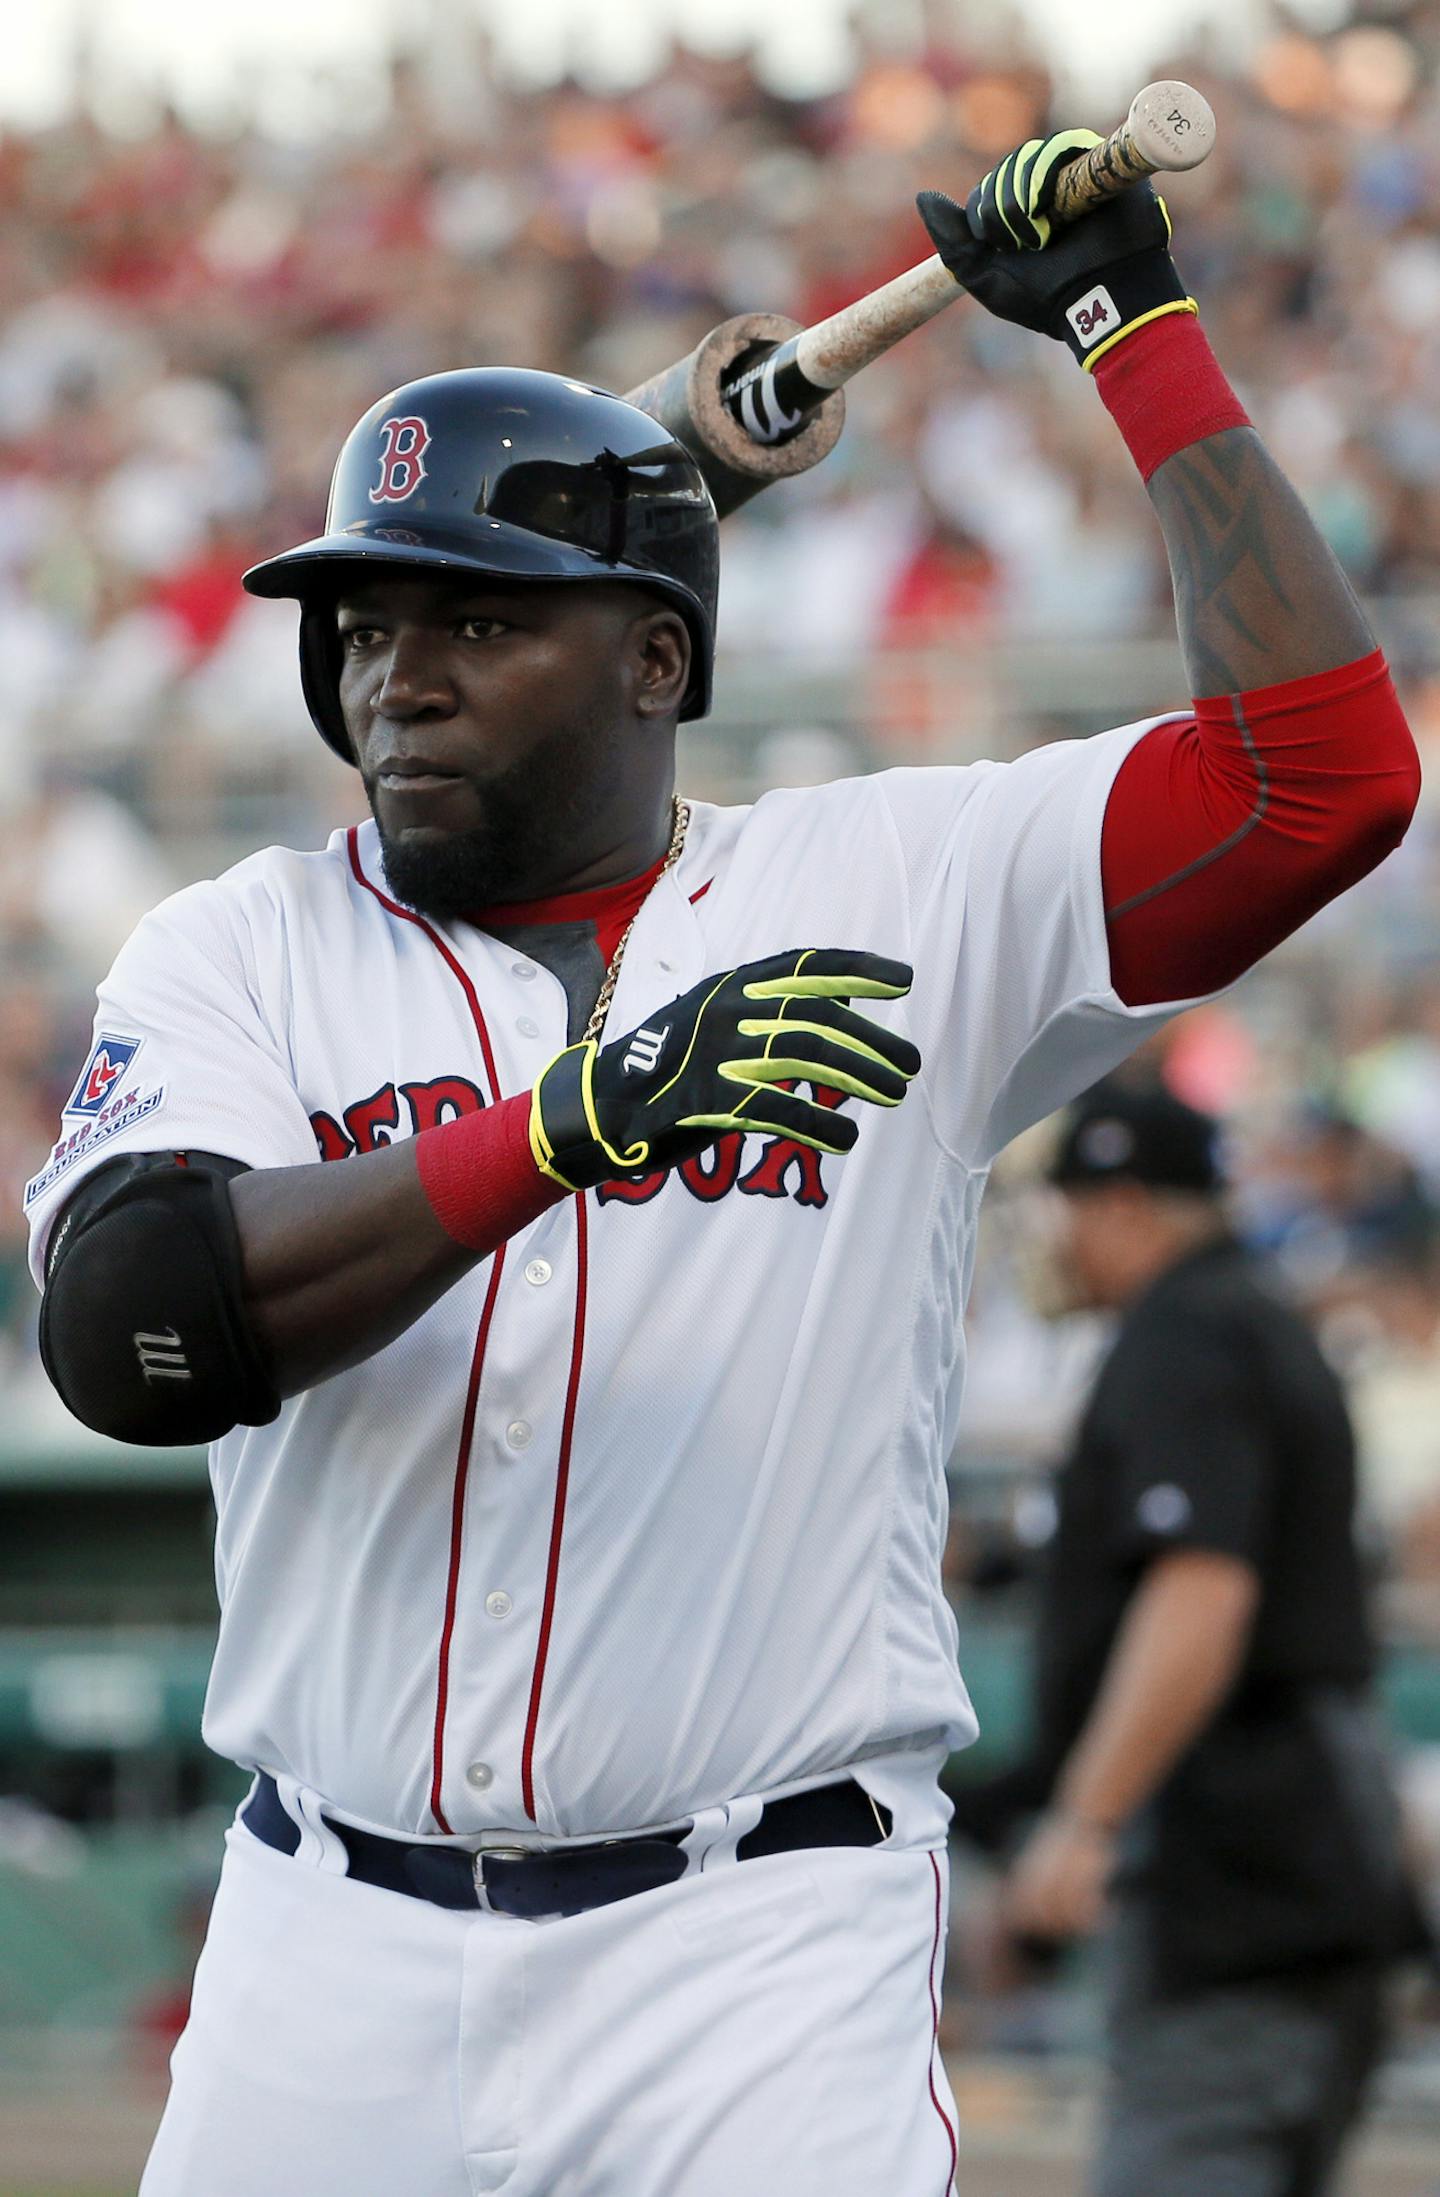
point(686, 398)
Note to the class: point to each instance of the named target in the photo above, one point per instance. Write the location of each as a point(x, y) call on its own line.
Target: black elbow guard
point(143, 1327)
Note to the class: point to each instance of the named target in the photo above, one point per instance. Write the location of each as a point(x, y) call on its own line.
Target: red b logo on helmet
point(402, 459)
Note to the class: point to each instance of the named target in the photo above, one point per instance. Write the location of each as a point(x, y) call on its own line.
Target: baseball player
point(579, 1439)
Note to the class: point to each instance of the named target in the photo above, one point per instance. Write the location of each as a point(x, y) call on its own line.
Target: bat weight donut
point(689, 399)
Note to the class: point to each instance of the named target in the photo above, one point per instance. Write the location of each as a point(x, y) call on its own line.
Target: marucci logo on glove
point(645, 1050)
point(1093, 316)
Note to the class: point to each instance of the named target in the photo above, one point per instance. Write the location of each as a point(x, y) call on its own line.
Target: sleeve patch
point(108, 1063)
point(123, 1111)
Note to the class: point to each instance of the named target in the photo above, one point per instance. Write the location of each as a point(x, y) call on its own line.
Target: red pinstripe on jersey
point(457, 1528)
point(557, 1521)
point(477, 1360)
point(610, 908)
point(935, 2035)
point(408, 915)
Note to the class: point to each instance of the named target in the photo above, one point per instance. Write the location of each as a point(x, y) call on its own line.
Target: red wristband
point(480, 1176)
point(1164, 389)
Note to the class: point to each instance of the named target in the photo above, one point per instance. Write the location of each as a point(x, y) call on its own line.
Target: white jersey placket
point(665, 956)
point(472, 1754)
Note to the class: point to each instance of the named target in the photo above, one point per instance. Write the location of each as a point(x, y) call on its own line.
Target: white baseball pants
point(763, 2030)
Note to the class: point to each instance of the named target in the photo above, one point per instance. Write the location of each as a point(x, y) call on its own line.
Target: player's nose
point(413, 680)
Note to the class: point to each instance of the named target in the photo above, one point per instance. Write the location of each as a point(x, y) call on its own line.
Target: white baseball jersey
point(647, 1511)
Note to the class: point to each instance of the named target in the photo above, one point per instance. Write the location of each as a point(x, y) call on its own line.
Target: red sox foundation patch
point(129, 1106)
point(108, 1062)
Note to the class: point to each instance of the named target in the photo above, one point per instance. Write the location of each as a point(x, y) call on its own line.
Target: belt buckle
point(526, 1853)
point(495, 1853)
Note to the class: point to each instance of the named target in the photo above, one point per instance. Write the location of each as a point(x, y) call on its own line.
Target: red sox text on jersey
point(782, 1168)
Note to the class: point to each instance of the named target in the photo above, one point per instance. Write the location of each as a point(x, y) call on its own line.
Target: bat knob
point(1171, 126)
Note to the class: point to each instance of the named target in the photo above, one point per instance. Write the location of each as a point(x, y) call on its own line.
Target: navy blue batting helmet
point(518, 474)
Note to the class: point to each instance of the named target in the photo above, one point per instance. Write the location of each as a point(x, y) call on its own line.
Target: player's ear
point(661, 643)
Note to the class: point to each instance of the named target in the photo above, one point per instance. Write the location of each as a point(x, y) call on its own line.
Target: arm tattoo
point(1258, 596)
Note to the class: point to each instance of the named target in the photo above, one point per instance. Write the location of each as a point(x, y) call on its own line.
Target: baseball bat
point(760, 399)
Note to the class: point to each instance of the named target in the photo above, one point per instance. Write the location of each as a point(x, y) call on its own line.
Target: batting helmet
point(523, 475)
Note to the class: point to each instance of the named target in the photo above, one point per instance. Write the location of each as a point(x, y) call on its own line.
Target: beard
point(534, 813)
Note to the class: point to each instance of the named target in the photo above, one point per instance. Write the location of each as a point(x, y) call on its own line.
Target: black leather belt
point(569, 1879)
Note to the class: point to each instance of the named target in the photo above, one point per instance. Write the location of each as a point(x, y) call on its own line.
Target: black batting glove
point(714, 1060)
point(1087, 282)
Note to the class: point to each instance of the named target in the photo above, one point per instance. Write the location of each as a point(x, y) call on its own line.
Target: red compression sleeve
point(1227, 830)
point(1164, 388)
point(480, 1174)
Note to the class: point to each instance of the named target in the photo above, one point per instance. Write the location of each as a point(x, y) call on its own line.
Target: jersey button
point(518, 1433)
point(481, 1776)
point(498, 1604)
point(524, 970)
point(538, 1273)
point(527, 1028)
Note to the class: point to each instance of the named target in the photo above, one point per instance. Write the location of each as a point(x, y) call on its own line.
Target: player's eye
point(482, 629)
point(355, 638)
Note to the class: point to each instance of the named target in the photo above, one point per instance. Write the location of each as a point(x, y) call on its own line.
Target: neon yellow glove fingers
point(1044, 172)
point(819, 1127)
point(832, 974)
point(1006, 204)
point(1014, 205)
point(795, 1034)
point(825, 987)
point(1051, 158)
point(862, 1037)
point(825, 972)
point(884, 1089)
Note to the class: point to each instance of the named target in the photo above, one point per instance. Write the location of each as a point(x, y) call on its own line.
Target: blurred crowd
point(193, 321)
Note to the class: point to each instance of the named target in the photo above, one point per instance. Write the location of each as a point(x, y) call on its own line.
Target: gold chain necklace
point(607, 990)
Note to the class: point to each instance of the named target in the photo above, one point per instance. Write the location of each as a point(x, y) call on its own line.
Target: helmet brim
point(508, 552)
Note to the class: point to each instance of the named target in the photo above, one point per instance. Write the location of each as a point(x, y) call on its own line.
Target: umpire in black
point(1216, 1783)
